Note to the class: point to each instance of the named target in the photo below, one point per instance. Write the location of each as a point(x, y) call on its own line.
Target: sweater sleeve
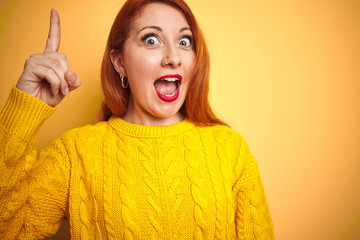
point(33, 186)
point(252, 217)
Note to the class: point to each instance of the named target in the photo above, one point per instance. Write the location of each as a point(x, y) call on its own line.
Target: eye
point(186, 41)
point(150, 39)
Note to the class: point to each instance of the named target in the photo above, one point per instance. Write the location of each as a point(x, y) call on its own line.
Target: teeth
point(170, 79)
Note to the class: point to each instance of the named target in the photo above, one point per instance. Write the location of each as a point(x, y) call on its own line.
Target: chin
point(168, 114)
point(164, 115)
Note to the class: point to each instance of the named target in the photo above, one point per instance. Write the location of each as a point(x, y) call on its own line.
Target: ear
point(117, 62)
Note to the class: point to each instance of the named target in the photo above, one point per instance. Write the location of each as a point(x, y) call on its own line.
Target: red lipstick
point(172, 98)
point(168, 99)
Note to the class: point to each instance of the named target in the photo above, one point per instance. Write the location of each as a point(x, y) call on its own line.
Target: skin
point(46, 76)
point(168, 51)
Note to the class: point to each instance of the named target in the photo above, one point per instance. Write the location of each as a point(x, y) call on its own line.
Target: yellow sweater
point(117, 180)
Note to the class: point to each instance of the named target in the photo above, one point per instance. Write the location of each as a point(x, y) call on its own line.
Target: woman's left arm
point(252, 216)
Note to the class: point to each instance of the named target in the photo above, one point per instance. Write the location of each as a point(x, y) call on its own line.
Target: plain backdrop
point(285, 74)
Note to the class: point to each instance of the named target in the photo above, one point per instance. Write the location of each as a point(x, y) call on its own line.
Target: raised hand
point(46, 75)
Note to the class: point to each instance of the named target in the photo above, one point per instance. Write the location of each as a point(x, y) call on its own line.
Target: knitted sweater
point(117, 180)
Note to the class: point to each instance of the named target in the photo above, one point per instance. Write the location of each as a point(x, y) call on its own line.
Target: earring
point(124, 79)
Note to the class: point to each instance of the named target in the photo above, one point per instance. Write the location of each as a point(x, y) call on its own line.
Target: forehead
point(160, 14)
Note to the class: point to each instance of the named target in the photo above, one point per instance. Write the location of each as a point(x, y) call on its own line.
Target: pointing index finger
point(53, 41)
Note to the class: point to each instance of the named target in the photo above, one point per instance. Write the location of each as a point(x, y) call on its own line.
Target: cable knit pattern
point(86, 188)
point(197, 189)
point(129, 211)
point(118, 180)
point(214, 171)
point(108, 194)
point(225, 153)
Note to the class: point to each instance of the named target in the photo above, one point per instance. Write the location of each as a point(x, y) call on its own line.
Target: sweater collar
point(137, 130)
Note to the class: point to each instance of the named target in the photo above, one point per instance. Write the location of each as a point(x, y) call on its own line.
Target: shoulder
point(87, 132)
point(221, 133)
point(223, 138)
point(83, 141)
point(226, 138)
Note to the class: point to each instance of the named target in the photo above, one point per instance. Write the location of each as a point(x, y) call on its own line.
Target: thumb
point(72, 80)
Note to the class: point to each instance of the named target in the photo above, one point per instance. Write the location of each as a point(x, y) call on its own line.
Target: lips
point(168, 87)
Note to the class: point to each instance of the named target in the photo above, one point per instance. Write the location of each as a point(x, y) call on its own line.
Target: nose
point(171, 57)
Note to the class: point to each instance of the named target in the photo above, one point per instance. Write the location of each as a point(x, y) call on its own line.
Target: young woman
point(160, 165)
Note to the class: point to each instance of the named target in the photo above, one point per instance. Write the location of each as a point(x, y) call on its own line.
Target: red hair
point(196, 106)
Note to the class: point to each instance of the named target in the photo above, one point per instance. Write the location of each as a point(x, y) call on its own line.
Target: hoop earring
point(124, 79)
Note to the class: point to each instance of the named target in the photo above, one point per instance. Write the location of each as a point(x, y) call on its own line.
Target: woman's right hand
point(46, 75)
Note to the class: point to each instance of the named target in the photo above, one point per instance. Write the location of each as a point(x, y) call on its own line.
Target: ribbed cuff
point(23, 114)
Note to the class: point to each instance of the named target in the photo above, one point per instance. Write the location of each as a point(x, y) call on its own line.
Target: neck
point(141, 117)
point(154, 121)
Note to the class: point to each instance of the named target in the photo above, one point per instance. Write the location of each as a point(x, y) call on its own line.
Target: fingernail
point(74, 76)
point(66, 91)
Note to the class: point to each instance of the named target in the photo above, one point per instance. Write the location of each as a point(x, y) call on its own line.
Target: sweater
point(118, 180)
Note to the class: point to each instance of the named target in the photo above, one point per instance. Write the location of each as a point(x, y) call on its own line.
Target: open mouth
point(167, 87)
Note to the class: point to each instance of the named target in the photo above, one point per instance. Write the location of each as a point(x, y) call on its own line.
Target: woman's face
point(158, 59)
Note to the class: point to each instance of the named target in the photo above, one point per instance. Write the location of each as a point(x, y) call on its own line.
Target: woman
point(161, 166)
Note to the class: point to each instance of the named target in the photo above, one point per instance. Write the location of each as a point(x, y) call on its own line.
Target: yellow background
point(285, 74)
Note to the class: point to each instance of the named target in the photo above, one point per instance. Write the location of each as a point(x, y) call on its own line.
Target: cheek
point(190, 62)
point(142, 65)
point(141, 70)
point(189, 65)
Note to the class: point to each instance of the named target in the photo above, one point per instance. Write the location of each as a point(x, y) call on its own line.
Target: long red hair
point(196, 106)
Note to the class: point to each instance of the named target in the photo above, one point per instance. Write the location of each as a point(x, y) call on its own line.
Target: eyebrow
point(184, 29)
point(160, 29)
